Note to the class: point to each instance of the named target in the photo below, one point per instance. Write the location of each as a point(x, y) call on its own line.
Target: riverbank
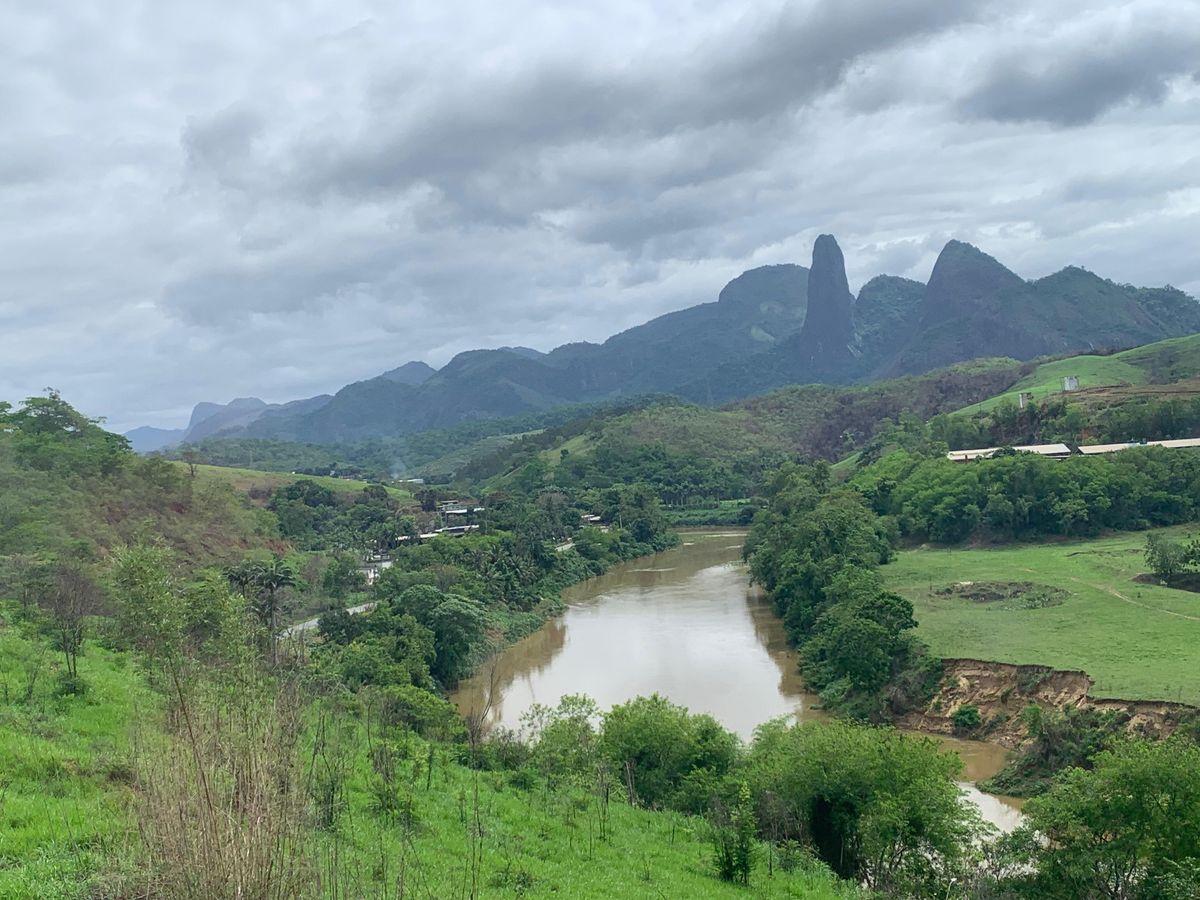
point(685, 624)
point(1000, 691)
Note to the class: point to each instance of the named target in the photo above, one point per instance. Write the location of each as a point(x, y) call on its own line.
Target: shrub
point(966, 719)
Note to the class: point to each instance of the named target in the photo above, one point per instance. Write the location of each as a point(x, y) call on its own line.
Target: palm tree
point(263, 581)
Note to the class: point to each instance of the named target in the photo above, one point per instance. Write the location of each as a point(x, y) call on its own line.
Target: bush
point(733, 837)
point(69, 685)
point(408, 706)
point(656, 745)
point(966, 719)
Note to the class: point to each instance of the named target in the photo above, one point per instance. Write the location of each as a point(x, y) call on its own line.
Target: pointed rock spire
point(828, 325)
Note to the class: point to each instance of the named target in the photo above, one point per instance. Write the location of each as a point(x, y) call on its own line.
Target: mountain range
point(770, 326)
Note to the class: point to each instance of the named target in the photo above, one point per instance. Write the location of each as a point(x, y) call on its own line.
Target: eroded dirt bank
point(1001, 690)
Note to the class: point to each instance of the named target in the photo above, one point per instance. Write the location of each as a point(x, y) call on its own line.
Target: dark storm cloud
point(208, 202)
point(418, 131)
point(1073, 84)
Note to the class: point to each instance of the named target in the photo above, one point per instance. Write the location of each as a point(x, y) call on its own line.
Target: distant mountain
point(410, 373)
point(825, 341)
point(754, 312)
point(147, 439)
point(972, 307)
point(769, 327)
point(219, 419)
point(972, 302)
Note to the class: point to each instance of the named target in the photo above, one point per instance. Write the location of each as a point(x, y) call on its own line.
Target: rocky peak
point(965, 278)
point(828, 326)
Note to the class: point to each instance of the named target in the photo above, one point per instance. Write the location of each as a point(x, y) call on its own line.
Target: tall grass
point(222, 797)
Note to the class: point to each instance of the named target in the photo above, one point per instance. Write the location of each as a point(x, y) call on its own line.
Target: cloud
point(1075, 74)
point(240, 199)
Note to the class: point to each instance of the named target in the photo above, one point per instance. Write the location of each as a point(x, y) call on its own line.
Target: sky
point(204, 201)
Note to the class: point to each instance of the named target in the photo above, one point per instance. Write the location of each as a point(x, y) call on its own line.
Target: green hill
point(67, 487)
point(1159, 363)
point(693, 452)
point(1047, 379)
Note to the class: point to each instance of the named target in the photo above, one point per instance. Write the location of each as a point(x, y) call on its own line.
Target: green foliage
point(693, 456)
point(1130, 827)
point(1169, 558)
point(966, 719)
point(1059, 740)
point(877, 805)
point(734, 839)
point(565, 740)
point(816, 550)
point(342, 576)
point(314, 517)
point(656, 745)
point(149, 612)
point(1023, 495)
point(70, 489)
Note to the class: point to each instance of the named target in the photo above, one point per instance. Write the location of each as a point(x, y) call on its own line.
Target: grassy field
point(1093, 371)
point(64, 769)
point(540, 843)
point(255, 482)
point(1138, 641)
point(1174, 359)
point(1161, 363)
point(67, 828)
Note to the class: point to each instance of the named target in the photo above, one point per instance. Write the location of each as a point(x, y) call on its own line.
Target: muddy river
point(685, 624)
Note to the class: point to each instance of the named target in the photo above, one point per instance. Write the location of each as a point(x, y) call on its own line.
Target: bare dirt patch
point(1005, 595)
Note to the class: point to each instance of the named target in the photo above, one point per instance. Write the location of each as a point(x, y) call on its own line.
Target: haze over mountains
point(770, 326)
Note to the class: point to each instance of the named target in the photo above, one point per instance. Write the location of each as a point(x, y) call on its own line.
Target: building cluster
point(1062, 451)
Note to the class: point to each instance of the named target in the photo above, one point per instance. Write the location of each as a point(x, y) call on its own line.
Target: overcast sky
point(207, 200)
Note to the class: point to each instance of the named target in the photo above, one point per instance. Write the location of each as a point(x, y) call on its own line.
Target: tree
point(71, 598)
point(656, 745)
point(1128, 828)
point(26, 577)
point(1165, 557)
point(274, 576)
point(150, 611)
point(878, 806)
point(264, 582)
point(190, 456)
point(458, 625)
point(343, 576)
point(734, 838)
point(564, 738)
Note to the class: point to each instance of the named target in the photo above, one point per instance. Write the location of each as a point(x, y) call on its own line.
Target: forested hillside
point(69, 487)
point(694, 452)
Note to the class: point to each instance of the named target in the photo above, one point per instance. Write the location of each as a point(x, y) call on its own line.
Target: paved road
point(310, 624)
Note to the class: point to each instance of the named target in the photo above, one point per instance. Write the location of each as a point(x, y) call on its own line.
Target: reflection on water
point(684, 624)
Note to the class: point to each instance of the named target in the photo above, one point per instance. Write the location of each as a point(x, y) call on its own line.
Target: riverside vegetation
point(164, 739)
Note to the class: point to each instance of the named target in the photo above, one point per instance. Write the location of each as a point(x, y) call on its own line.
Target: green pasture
point(1047, 379)
point(1138, 641)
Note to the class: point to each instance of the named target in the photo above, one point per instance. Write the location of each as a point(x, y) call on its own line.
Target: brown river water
point(685, 624)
